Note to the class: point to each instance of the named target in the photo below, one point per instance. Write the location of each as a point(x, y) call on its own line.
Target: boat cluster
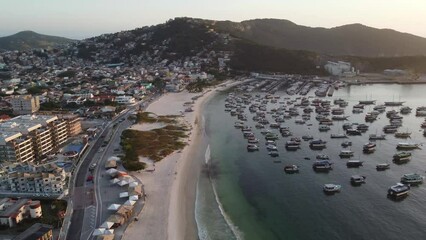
point(327, 114)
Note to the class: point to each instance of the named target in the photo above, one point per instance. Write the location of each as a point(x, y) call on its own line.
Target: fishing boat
point(323, 128)
point(317, 144)
point(354, 163)
point(273, 153)
point(399, 190)
point(338, 135)
point(248, 134)
point(322, 166)
point(252, 147)
point(369, 147)
point(367, 102)
point(253, 140)
point(405, 110)
point(402, 134)
point(239, 124)
point(346, 144)
point(377, 137)
point(339, 118)
point(394, 103)
point(353, 132)
point(307, 137)
point(401, 155)
point(362, 127)
point(271, 148)
point(322, 157)
point(331, 188)
point(292, 145)
point(382, 166)
point(407, 146)
point(270, 142)
point(412, 179)
point(357, 180)
point(390, 129)
point(346, 154)
point(291, 169)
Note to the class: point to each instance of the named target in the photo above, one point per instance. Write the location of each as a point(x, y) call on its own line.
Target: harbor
point(283, 167)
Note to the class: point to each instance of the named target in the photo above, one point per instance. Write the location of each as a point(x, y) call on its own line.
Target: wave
point(237, 233)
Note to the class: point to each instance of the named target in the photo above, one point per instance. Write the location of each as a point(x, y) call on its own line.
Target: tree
point(159, 83)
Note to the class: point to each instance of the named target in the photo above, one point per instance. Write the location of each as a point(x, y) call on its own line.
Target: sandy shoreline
point(169, 211)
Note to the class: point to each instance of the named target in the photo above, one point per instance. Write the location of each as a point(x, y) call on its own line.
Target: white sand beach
point(171, 189)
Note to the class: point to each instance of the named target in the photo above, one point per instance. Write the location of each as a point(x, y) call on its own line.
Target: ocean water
point(245, 195)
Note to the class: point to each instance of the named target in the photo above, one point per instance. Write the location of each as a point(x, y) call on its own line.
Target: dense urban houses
point(12, 211)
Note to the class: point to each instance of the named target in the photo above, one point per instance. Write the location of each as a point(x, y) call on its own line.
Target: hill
point(351, 40)
point(27, 40)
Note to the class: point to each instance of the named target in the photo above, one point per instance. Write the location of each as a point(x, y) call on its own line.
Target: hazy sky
point(85, 18)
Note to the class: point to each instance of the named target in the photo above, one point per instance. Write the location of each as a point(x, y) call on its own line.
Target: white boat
point(323, 128)
point(338, 135)
point(407, 146)
point(331, 188)
point(412, 178)
point(346, 154)
point(357, 180)
point(399, 190)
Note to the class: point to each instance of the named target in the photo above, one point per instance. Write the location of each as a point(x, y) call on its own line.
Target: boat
point(367, 102)
point(405, 110)
point(346, 154)
point(412, 179)
point(382, 166)
point(322, 166)
point(362, 127)
point(394, 103)
point(317, 144)
point(323, 128)
point(307, 137)
point(354, 163)
point(248, 134)
point(291, 169)
point(369, 147)
point(252, 147)
point(401, 155)
point(353, 132)
point(253, 140)
point(322, 157)
point(270, 142)
point(402, 134)
point(399, 190)
point(338, 135)
point(407, 146)
point(346, 144)
point(331, 188)
point(377, 137)
point(239, 124)
point(271, 148)
point(357, 180)
point(273, 153)
point(271, 136)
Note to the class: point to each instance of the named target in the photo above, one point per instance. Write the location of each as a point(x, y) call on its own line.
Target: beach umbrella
point(133, 184)
point(129, 203)
point(114, 206)
point(98, 231)
point(134, 197)
point(124, 194)
point(111, 171)
point(109, 232)
point(107, 225)
point(115, 180)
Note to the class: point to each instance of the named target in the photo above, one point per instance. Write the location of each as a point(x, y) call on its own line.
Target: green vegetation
point(36, 90)
point(415, 64)
point(253, 57)
point(197, 86)
point(27, 40)
point(68, 73)
point(49, 106)
point(148, 117)
point(155, 144)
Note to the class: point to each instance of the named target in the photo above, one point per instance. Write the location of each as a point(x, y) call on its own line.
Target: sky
point(80, 19)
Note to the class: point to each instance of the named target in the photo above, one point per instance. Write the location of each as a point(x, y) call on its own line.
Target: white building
point(339, 68)
point(25, 104)
point(12, 212)
point(125, 99)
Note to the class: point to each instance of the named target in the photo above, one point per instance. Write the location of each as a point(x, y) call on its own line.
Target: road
point(89, 199)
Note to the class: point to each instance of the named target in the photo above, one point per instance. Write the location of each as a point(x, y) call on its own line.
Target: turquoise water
point(255, 200)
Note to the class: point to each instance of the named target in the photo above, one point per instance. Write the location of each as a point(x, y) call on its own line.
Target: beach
point(170, 185)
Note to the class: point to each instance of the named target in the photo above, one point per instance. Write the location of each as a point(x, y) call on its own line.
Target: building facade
point(25, 104)
point(27, 138)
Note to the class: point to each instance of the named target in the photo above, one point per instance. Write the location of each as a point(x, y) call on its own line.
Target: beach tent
point(124, 194)
point(133, 184)
point(107, 225)
point(134, 198)
point(129, 203)
point(98, 231)
point(114, 206)
point(115, 180)
point(109, 232)
point(112, 171)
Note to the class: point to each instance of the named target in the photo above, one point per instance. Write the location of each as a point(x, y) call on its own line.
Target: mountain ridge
point(27, 40)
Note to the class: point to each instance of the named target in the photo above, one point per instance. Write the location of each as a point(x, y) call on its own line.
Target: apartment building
point(73, 124)
point(30, 137)
point(13, 211)
point(31, 178)
point(25, 104)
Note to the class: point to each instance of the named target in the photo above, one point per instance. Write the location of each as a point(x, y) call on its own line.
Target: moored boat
point(412, 179)
point(322, 166)
point(291, 169)
point(354, 163)
point(407, 146)
point(331, 188)
point(252, 147)
point(382, 166)
point(346, 154)
point(399, 190)
point(357, 180)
